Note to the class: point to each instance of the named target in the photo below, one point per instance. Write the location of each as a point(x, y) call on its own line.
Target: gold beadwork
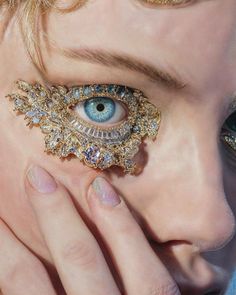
point(51, 109)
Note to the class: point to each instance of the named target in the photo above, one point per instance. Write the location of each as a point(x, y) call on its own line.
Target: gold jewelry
point(167, 2)
point(54, 110)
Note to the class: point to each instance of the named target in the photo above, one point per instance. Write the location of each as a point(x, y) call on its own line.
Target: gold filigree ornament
point(53, 109)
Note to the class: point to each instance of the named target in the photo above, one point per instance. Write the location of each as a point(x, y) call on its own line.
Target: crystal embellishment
point(65, 133)
point(93, 155)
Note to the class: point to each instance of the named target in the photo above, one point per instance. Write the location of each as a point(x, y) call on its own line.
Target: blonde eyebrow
point(122, 61)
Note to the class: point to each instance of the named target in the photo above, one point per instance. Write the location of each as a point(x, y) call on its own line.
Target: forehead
point(197, 41)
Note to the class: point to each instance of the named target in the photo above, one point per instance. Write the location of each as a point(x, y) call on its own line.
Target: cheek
point(15, 209)
point(21, 147)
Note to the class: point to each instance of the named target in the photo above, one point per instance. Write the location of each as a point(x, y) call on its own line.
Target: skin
point(184, 199)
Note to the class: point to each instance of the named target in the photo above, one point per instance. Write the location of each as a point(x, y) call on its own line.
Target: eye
point(104, 112)
point(101, 110)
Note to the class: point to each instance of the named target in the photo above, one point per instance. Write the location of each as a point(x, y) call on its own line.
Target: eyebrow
point(127, 62)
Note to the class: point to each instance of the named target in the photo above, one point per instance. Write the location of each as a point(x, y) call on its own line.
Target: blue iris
point(100, 109)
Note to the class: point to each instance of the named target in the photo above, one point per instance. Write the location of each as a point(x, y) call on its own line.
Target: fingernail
point(41, 180)
point(105, 192)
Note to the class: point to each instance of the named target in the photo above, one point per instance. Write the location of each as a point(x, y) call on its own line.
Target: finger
point(77, 256)
point(141, 270)
point(21, 273)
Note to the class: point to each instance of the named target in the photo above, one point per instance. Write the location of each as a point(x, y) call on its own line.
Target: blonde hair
point(29, 16)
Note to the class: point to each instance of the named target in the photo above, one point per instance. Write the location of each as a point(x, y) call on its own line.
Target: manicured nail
point(105, 192)
point(41, 180)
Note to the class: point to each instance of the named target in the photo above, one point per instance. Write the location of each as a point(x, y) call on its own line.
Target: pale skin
point(184, 199)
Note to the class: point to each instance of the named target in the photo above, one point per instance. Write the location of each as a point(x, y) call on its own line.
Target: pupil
point(100, 107)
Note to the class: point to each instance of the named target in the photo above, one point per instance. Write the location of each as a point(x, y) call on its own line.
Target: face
point(184, 198)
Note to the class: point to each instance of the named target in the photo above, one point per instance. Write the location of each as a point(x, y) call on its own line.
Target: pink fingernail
point(105, 193)
point(41, 180)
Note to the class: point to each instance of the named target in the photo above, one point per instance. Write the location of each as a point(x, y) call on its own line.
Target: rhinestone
point(67, 99)
point(154, 125)
point(98, 88)
point(121, 91)
point(114, 134)
point(104, 134)
point(111, 89)
point(91, 131)
point(95, 133)
point(107, 160)
point(32, 94)
point(36, 120)
point(54, 140)
point(64, 151)
point(76, 93)
point(46, 128)
point(49, 103)
point(18, 102)
point(92, 154)
point(43, 94)
point(129, 164)
point(136, 129)
point(87, 90)
point(31, 113)
point(84, 142)
point(72, 150)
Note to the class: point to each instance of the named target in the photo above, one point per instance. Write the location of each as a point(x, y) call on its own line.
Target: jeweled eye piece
point(103, 125)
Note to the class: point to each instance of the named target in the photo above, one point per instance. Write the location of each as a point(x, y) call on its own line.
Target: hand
point(21, 273)
point(76, 253)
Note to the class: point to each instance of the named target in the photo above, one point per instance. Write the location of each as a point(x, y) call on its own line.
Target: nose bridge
point(201, 213)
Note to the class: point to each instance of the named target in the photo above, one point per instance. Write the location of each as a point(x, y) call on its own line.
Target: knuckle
point(81, 254)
